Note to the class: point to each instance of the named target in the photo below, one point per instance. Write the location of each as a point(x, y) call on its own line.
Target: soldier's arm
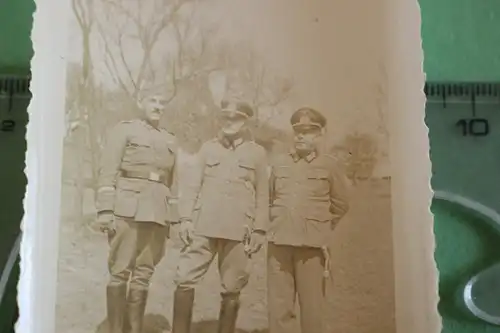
point(190, 186)
point(172, 180)
point(272, 179)
point(173, 184)
point(261, 192)
point(339, 193)
point(111, 157)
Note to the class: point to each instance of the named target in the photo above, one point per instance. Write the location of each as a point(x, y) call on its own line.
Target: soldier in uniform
point(227, 200)
point(308, 197)
point(135, 203)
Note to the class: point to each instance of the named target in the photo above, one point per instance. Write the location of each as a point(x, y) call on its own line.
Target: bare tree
point(80, 97)
point(80, 77)
point(358, 154)
point(248, 77)
point(253, 79)
point(140, 27)
point(169, 49)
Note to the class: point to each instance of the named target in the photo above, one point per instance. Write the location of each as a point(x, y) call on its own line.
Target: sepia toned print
point(226, 168)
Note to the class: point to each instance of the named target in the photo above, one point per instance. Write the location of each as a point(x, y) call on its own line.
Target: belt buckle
point(154, 176)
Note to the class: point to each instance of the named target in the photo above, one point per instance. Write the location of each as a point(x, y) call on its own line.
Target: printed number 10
point(474, 127)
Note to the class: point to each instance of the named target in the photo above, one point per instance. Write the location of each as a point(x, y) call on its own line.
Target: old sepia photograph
point(226, 168)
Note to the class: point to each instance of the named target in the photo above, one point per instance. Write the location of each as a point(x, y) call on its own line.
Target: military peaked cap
point(234, 108)
point(305, 118)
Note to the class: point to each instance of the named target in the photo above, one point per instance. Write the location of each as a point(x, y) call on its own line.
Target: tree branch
point(76, 5)
point(125, 63)
point(110, 62)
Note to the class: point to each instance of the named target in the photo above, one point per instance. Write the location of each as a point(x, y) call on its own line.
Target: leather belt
point(152, 176)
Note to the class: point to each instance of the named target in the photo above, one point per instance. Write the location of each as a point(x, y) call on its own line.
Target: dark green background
point(461, 41)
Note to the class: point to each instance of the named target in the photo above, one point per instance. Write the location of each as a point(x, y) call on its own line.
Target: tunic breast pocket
point(166, 157)
point(246, 171)
point(212, 167)
point(318, 182)
point(139, 150)
point(283, 178)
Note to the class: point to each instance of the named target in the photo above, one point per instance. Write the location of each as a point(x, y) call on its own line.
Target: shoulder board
point(170, 137)
point(255, 144)
point(125, 123)
point(331, 157)
point(210, 141)
point(164, 130)
point(280, 159)
point(168, 133)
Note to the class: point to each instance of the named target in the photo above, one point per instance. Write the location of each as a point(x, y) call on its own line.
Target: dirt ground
point(361, 299)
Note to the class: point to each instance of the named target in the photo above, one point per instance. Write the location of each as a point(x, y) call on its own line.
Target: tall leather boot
point(136, 306)
point(228, 313)
point(116, 298)
point(183, 310)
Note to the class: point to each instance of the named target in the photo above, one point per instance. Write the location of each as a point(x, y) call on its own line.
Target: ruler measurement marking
point(13, 86)
point(473, 94)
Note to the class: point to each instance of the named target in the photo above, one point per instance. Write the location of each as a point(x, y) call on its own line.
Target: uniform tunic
point(228, 194)
point(229, 191)
point(138, 184)
point(308, 198)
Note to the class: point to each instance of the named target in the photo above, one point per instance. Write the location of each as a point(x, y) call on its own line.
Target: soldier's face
point(305, 139)
point(232, 125)
point(153, 107)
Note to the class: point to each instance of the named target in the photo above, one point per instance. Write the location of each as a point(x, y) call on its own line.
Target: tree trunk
point(80, 174)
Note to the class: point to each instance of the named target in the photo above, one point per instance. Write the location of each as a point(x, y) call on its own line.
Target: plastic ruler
point(464, 133)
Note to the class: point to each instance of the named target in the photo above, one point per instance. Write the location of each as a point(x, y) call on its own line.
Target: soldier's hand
point(257, 239)
point(186, 231)
point(105, 223)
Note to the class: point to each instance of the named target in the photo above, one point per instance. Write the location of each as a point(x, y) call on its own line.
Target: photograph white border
point(416, 274)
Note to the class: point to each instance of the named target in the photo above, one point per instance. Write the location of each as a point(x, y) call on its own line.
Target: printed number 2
point(474, 127)
point(8, 125)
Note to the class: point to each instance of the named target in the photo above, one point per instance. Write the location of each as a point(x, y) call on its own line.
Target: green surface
point(465, 246)
point(465, 166)
point(15, 55)
point(461, 41)
point(15, 27)
point(9, 313)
